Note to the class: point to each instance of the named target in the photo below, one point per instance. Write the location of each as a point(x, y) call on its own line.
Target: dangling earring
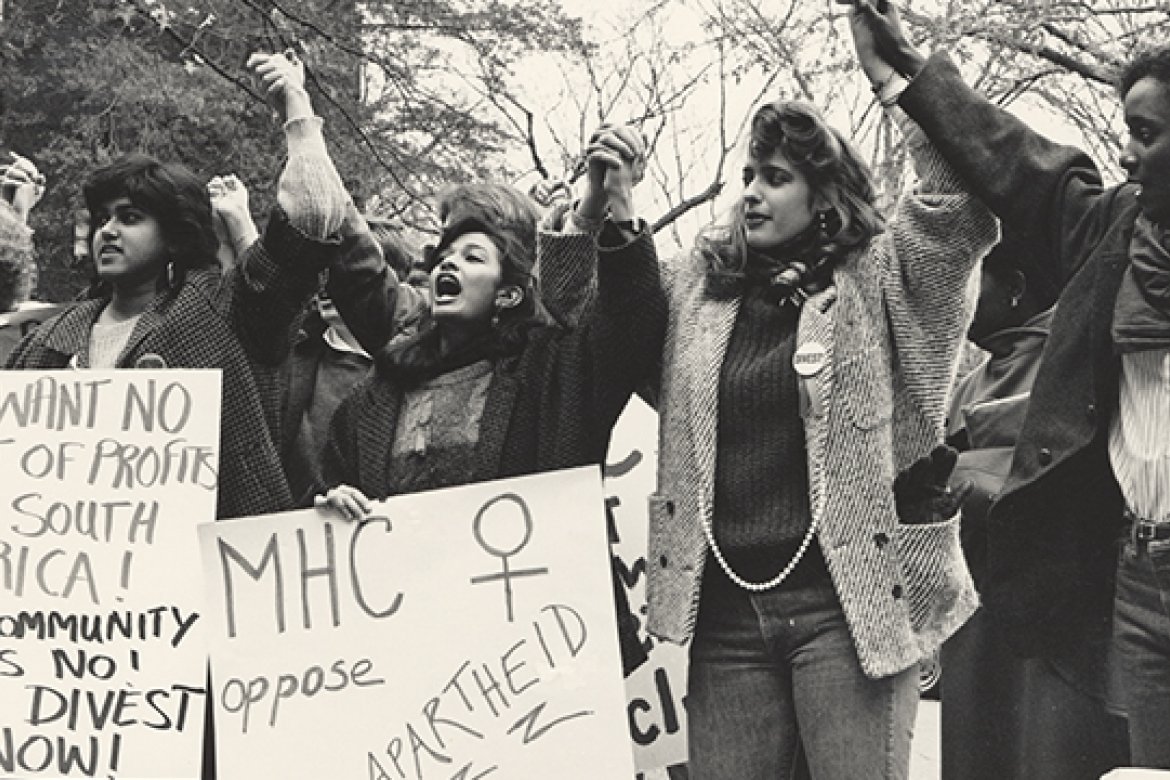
point(1014, 301)
point(171, 274)
point(496, 317)
point(829, 222)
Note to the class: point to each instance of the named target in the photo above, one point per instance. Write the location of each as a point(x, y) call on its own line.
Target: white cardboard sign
point(106, 475)
point(463, 633)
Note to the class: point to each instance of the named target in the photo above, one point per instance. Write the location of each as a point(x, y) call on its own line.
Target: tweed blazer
point(891, 326)
point(1053, 530)
point(239, 323)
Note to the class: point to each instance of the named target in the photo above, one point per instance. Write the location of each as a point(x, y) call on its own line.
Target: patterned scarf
point(793, 271)
point(1141, 317)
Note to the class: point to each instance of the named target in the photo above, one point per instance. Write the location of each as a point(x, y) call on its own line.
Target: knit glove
point(922, 492)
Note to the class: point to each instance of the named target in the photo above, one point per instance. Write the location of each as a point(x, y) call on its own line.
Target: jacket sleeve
point(566, 267)
point(626, 328)
point(939, 232)
point(366, 290)
point(1050, 193)
point(268, 289)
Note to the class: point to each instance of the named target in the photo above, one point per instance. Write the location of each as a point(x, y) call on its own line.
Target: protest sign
point(102, 658)
point(462, 633)
point(657, 720)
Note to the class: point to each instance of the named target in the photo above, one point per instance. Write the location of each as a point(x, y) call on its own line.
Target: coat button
point(881, 539)
point(1044, 456)
point(897, 591)
point(662, 561)
point(670, 507)
point(1091, 413)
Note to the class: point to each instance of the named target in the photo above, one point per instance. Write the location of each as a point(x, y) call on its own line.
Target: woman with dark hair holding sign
point(807, 362)
point(159, 299)
point(489, 388)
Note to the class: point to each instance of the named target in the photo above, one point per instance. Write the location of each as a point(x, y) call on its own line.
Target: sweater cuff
point(310, 191)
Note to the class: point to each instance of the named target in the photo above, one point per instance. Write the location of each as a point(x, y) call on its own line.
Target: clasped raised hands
point(880, 40)
point(616, 161)
point(281, 76)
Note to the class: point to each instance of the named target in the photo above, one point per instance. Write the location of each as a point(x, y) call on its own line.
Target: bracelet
point(889, 89)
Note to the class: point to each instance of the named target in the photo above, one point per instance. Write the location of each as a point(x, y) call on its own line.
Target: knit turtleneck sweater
point(761, 475)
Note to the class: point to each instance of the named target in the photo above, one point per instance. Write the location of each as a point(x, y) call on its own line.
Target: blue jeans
point(1141, 643)
point(775, 673)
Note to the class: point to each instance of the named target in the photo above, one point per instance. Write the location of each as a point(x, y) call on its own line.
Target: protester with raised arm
point(1079, 537)
point(158, 299)
point(808, 359)
point(489, 388)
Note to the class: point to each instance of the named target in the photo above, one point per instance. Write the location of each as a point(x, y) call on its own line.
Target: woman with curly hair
point(808, 354)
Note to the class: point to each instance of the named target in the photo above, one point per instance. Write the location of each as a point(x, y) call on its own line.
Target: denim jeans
point(1141, 643)
point(775, 673)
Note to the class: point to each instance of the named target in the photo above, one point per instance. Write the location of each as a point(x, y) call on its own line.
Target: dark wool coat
point(551, 406)
point(241, 324)
point(1054, 528)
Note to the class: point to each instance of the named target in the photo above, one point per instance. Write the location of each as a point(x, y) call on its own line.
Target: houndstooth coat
point(241, 324)
point(891, 324)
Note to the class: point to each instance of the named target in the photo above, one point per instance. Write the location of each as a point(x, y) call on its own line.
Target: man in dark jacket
point(1092, 464)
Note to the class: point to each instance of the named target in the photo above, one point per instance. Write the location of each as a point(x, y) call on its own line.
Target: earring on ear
point(1015, 300)
point(171, 274)
point(829, 222)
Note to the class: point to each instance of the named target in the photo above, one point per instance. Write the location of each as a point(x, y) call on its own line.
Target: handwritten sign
point(655, 712)
point(102, 660)
point(462, 633)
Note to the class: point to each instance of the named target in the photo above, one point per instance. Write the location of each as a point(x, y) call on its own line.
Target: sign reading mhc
point(461, 633)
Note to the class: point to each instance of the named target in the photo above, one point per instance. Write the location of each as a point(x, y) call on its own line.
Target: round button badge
point(810, 358)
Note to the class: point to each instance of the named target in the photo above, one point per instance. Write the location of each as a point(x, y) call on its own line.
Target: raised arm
point(937, 235)
point(1049, 193)
point(277, 274)
point(567, 244)
point(625, 326)
point(234, 226)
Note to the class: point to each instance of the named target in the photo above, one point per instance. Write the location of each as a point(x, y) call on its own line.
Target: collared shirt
point(1139, 437)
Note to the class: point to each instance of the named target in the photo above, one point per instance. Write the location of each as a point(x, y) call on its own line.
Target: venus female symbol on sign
point(502, 552)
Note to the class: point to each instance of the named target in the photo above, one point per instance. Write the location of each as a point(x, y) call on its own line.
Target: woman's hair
point(396, 250)
point(1152, 63)
point(510, 218)
point(834, 171)
point(169, 192)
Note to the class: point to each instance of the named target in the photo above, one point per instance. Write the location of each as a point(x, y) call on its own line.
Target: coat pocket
point(864, 389)
point(938, 588)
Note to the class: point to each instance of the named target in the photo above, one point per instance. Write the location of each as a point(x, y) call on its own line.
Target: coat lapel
point(815, 331)
point(71, 333)
point(375, 441)
point(497, 417)
point(704, 351)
